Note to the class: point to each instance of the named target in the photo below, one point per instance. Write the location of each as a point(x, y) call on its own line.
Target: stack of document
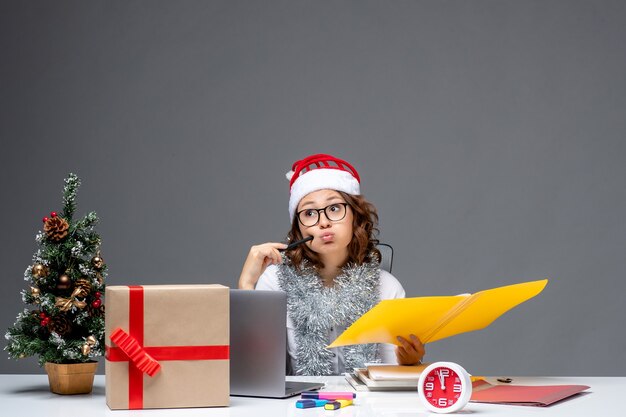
point(386, 377)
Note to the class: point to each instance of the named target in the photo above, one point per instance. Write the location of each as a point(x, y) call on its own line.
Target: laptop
point(258, 346)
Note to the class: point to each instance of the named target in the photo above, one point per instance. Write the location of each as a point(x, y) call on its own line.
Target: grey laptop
point(258, 346)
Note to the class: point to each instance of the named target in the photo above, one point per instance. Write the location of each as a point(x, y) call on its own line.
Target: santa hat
point(320, 172)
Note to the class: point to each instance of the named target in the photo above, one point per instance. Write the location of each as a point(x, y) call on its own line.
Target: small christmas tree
point(66, 323)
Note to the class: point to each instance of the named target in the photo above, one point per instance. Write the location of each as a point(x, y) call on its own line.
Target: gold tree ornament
point(35, 292)
point(64, 304)
point(85, 349)
point(39, 271)
point(97, 261)
point(91, 340)
point(56, 228)
point(64, 282)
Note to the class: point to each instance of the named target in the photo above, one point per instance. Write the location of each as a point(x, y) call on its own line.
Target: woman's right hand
point(259, 258)
point(410, 351)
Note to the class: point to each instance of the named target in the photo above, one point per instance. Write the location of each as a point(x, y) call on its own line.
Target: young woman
point(333, 279)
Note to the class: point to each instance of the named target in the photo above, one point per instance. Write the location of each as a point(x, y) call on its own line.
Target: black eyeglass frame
point(345, 211)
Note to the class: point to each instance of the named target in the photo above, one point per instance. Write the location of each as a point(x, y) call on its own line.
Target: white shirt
point(389, 287)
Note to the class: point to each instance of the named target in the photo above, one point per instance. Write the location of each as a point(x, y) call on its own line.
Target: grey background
point(489, 134)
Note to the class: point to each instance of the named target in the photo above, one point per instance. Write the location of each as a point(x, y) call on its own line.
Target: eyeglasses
point(334, 213)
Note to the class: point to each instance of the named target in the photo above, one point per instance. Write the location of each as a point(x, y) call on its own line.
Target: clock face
point(444, 387)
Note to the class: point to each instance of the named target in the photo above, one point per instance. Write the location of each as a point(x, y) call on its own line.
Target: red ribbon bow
point(135, 352)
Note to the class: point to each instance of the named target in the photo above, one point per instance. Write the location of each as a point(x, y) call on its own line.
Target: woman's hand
point(410, 352)
point(259, 258)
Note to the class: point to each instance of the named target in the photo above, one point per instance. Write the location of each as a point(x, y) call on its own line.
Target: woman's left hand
point(410, 352)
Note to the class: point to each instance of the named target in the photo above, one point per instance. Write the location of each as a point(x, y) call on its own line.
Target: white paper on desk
point(395, 372)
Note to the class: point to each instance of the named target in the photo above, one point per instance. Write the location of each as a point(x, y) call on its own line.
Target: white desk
point(29, 395)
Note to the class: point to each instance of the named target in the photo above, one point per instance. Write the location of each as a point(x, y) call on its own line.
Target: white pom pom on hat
point(320, 172)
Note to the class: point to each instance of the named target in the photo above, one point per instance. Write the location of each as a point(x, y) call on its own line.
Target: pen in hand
point(297, 243)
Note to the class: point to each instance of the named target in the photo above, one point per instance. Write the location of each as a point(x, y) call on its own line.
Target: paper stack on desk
point(386, 377)
point(435, 318)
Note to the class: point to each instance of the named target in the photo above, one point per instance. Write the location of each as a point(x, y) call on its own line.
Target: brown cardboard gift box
point(177, 333)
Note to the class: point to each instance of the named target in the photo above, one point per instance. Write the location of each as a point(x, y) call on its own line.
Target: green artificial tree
point(65, 323)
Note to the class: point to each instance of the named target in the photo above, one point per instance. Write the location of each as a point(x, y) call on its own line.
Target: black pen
point(297, 243)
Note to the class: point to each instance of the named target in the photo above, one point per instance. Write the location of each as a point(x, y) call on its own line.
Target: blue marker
point(310, 403)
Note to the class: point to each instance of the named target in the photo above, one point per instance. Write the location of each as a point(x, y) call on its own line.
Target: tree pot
point(71, 378)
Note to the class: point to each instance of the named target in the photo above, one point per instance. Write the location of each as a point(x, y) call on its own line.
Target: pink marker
point(326, 395)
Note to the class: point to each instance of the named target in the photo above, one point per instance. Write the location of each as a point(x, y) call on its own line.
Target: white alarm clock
point(444, 387)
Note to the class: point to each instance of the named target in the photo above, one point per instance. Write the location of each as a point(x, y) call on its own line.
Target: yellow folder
point(435, 318)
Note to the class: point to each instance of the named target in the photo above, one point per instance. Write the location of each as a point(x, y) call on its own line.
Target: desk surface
point(29, 395)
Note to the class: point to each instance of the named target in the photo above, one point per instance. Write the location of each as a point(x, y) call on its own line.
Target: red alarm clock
point(444, 387)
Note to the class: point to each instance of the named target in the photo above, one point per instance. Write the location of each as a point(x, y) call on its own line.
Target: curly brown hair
point(362, 247)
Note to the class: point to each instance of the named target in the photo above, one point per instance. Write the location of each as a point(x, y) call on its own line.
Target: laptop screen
point(258, 343)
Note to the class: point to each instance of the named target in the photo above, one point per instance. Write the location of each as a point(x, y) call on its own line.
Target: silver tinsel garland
point(314, 309)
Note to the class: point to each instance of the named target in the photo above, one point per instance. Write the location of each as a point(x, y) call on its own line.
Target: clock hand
point(443, 385)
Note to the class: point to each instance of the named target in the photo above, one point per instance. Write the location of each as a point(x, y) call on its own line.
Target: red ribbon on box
point(142, 358)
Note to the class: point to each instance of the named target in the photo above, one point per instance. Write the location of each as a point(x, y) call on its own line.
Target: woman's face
point(329, 237)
